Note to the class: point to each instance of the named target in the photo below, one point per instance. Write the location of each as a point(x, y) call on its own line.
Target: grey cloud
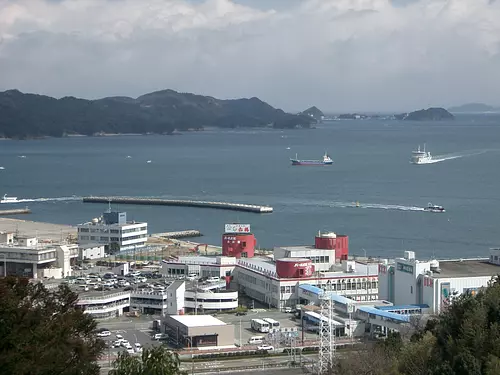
point(329, 53)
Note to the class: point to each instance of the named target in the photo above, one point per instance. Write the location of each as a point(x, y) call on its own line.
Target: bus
point(272, 323)
point(260, 325)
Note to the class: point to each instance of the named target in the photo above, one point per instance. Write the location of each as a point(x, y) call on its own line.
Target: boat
point(357, 204)
point(7, 199)
point(434, 208)
point(420, 157)
point(327, 160)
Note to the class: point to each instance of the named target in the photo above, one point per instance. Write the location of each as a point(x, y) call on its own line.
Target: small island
point(473, 108)
point(314, 112)
point(430, 114)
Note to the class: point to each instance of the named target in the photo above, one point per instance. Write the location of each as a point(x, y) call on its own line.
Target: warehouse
point(433, 283)
point(196, 331)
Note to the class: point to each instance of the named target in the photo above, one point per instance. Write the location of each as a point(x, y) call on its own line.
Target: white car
point(130, 350)
point(138, 347)
point(265, 347)
point(103, 334)
point(119, 337)
point(126, 344)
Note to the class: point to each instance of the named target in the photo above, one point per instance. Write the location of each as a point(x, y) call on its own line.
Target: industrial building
point(434, 283)
point(91, 251)
point(27, 257)
point(196, 331)
point(274, 279)
point(114, 231)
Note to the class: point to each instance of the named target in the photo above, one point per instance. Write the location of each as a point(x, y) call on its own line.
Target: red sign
point(428, 282)
point(382, 268)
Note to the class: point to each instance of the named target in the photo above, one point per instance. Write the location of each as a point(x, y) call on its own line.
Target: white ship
point(7, 199)
point(433, 208)
point(420, 157)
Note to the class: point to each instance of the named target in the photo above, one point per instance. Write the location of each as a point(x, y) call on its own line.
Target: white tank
point(329, 235)
point(95, 220)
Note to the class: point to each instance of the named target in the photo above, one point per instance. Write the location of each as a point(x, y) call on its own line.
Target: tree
point(154, 361)
point(44, 332)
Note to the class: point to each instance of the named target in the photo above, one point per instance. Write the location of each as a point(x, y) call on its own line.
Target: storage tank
point(289, 268)
point(238, 245)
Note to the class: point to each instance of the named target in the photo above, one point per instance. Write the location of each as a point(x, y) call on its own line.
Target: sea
point(371, 166)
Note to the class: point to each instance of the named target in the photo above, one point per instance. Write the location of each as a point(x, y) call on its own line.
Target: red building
point(333, 241)
point(238, 245)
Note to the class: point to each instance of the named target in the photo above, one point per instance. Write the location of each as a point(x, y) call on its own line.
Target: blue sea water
point(252, 166)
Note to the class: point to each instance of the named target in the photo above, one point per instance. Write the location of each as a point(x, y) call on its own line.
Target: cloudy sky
point(340, 55)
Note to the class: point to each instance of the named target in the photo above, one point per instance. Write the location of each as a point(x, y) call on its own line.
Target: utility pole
point(196, 298)
point(241, 339)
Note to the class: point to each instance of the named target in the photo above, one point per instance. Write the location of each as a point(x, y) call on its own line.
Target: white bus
point(260, 325)
point(272, 323)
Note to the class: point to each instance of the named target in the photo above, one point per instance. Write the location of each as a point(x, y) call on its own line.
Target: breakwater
point(179, 234)
point(15, 212)
point(177, 202)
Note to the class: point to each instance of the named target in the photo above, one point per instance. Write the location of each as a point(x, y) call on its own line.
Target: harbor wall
point(177, 202)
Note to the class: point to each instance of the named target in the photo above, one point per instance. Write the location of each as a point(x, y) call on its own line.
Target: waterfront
point(252, 166)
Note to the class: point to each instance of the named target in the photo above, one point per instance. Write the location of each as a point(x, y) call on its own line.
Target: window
point(244, 254)
point(411, 289)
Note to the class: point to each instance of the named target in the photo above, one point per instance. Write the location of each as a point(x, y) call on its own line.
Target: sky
point(340, 55)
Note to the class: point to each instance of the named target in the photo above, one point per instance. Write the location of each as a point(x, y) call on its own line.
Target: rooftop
point(198, 320)
point(466, 268)
point(267, 265)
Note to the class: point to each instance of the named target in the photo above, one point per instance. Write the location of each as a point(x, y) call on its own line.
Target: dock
point(179, 234)
point(176, 202)
point(15, 212)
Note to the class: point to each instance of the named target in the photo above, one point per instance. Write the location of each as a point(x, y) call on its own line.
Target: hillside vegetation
point(162, 112)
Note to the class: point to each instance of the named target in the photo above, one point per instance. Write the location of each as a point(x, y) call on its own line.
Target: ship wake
point(376, 206)
point(441, 158)
point(59, 199)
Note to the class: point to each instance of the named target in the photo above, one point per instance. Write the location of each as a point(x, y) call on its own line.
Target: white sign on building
point(237, 228)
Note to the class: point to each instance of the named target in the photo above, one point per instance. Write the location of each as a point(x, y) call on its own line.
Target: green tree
point(154, 361)
point(44, 332)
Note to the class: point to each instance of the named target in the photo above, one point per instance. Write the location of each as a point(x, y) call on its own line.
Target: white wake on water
point(440, 158)
point(376, 206)
point(60, 199)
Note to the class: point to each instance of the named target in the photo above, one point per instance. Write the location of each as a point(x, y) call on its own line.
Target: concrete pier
point(185, 203)
point(179, 234)
point(15, 212)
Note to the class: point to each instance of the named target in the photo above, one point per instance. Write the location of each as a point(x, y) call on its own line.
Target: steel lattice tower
point(327, 336)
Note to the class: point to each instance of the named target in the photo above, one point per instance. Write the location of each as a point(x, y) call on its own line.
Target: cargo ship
point(327, 160)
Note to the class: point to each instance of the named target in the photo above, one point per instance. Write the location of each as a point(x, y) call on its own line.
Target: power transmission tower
point(327, 336)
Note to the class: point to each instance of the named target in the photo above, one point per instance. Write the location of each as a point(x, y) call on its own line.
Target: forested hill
point(162, 112)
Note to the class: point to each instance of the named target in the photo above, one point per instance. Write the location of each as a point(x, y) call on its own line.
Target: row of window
point(31, 257)
point(200, 300)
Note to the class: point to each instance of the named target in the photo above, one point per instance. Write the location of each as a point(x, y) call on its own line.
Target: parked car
point(265, 347)
point(103, 334)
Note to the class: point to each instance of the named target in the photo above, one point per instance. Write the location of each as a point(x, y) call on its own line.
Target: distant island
point(430, 114)
point(24, 116)
point(313, 112)
point(474, 108)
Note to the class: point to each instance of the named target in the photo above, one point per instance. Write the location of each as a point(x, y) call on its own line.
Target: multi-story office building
point(114, 231)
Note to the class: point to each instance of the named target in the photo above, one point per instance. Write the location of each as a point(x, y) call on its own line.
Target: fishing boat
point(7, 199)
point(327, 160)
point(434, 208)
point(420, 157)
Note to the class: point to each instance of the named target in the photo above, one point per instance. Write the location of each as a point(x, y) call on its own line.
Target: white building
point(433, 284)
point(258, 278)
point(114, 231)
point(90, 251)
point(174, 300)
point(203, 266)
point(322, 259)
point(27, 257)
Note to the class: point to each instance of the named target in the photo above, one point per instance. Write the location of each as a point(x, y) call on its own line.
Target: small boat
point(149, 162)
point(420, 157)
point(7, 199)
point(357, 204)
point(2, 167)
point(326, 161)
point(434, 208)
